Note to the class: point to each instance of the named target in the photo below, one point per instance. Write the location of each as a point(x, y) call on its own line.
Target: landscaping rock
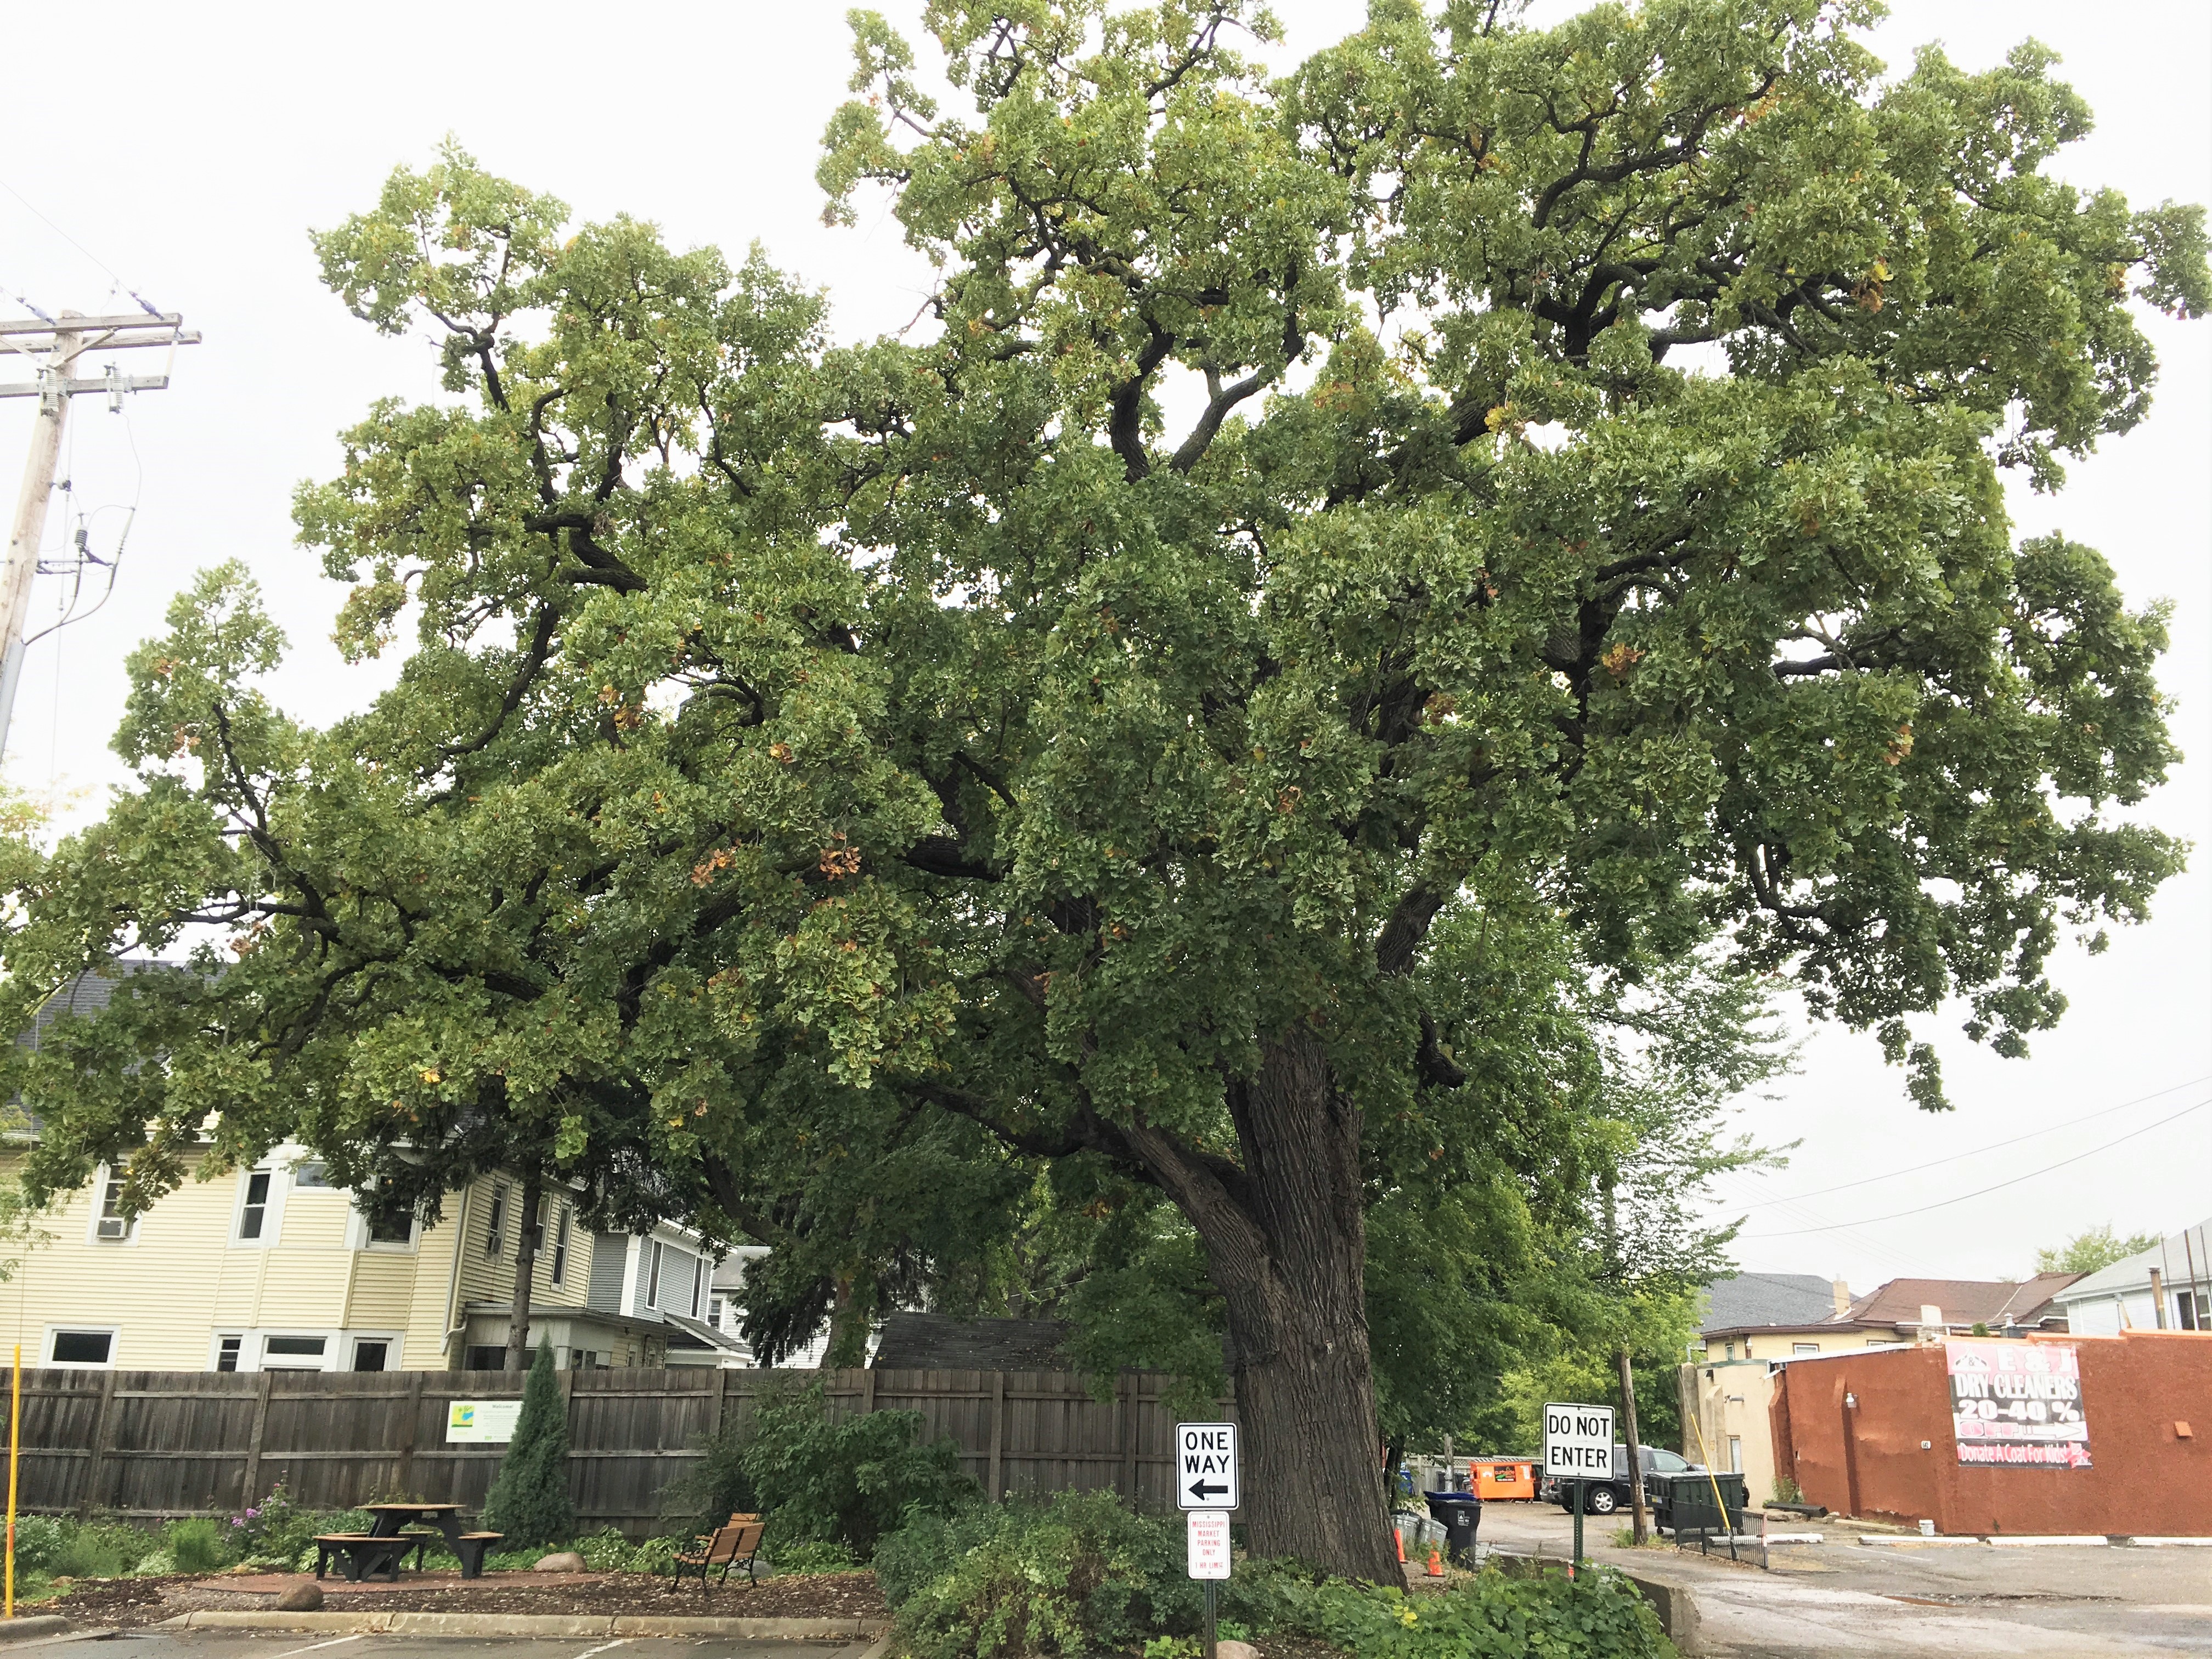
point(301, 1598)
point(562, 1561)
point(1235, 1650)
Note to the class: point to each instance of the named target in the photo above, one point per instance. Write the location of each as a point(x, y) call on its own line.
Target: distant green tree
point(2087, 1252)
point(529, 1498)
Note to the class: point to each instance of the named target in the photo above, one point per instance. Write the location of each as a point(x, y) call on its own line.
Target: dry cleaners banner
point(2018, 1405)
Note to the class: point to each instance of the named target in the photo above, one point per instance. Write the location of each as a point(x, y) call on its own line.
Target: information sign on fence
point(488, 1420)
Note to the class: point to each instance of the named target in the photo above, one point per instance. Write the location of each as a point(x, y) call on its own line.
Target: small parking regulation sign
point(1205, 1466)
point(1208, 1532)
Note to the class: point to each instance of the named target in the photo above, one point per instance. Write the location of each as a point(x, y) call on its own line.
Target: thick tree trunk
point(525, 1269)
point(1286, 1242)
point(850, 1317)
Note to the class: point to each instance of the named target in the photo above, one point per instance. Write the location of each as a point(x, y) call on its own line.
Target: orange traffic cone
point(1436, 1562)
point(1399, 1533)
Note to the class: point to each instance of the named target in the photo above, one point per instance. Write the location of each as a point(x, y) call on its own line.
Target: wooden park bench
point(731, 1546)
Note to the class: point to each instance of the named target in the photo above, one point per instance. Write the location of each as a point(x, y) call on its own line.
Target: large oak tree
point(1495, 480)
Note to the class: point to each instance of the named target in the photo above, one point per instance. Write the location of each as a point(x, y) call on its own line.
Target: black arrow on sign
point(1200, 1489)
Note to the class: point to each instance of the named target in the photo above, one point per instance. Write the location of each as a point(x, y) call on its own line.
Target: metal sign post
point(1208, 1537)
point(1578, 1447)
point(1207, 1486)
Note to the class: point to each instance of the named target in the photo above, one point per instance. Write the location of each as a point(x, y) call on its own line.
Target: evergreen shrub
point(529, 1498)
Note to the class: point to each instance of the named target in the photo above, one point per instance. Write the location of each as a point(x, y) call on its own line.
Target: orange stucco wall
point(2147, 1476)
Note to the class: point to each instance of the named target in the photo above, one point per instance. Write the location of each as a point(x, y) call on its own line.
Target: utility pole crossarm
point(59, 345)
point(130, 321)
point(86, 383)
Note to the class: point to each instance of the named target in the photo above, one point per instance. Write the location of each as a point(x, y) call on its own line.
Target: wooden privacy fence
point(162, 1444)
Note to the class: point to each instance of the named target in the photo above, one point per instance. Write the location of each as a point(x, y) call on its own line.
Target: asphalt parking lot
point(1841, 1596)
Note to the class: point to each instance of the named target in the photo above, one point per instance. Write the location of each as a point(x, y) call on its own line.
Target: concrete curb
point(528, 1623)
point(2168, 1543)
point(32, 1628)
point(2030, 1541)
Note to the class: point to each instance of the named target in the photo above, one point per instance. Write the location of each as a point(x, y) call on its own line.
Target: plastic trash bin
point(1684, 1502)
point(1460, 1512)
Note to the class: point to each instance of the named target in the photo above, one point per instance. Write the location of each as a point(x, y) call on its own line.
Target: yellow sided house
point(273, 1269)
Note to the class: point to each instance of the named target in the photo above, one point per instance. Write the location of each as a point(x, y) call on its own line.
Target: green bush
point(655, 1555)
point(718, 1486)
point(1074, 1575)
point(196, 1545)
point(529, 1497)
point(799, 1559)
point(105, 1549)
point(41, 1542)
point(848, 1480)
point(1599, 1615)
point(604, 1550)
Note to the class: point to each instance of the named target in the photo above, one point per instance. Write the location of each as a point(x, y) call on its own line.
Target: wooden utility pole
point(58, 345)
point(1643, 1516)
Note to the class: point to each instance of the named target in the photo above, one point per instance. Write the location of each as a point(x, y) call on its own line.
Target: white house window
point(385, 1227)
point(652, 1278)
point(1804, 1347)
point(371, 1356)
point(560, 1246)
point(81, 1347)
point(311, 1175)
point(114, 1227)
point(255, 1210)
point(698, 1283)
point(714, 1312)
point(293, 1353)
point(495, 1228)
point(227, 1350)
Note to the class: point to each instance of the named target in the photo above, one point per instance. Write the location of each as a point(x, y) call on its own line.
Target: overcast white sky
point(195, 145)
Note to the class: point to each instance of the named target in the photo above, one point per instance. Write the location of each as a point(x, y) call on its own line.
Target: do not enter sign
point(1579, 1441)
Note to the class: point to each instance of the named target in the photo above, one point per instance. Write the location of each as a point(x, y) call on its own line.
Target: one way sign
point(1205, 1466)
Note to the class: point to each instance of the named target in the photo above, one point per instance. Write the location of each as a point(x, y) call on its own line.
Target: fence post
point(997, 1487)
point(867, 1389)
point(1129, 1437)
point(409, 1431)
point(721, 1398)
point(252, 1480)
point(102, 1426)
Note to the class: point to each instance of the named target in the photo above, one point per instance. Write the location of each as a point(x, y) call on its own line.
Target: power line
point(2051, 1129)
point(112, 271)
point(1946, 1203)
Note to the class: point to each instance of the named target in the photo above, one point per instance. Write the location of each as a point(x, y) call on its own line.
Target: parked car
point(1606, 1496)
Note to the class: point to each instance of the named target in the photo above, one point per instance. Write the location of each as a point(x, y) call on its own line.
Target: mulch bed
point(129, 1603)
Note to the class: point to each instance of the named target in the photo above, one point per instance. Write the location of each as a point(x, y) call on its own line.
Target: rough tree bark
point(525, 1268)
point(1284, 1236)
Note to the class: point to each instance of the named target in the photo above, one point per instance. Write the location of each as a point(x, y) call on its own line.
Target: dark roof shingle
point(1767, 1299)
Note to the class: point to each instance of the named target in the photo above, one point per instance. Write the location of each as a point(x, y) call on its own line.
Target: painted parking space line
point(336, 1642)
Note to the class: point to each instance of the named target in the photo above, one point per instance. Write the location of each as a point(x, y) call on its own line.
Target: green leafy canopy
point(820, 773)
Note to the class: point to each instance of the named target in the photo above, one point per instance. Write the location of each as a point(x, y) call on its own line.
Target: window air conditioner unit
point(113, 1226)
